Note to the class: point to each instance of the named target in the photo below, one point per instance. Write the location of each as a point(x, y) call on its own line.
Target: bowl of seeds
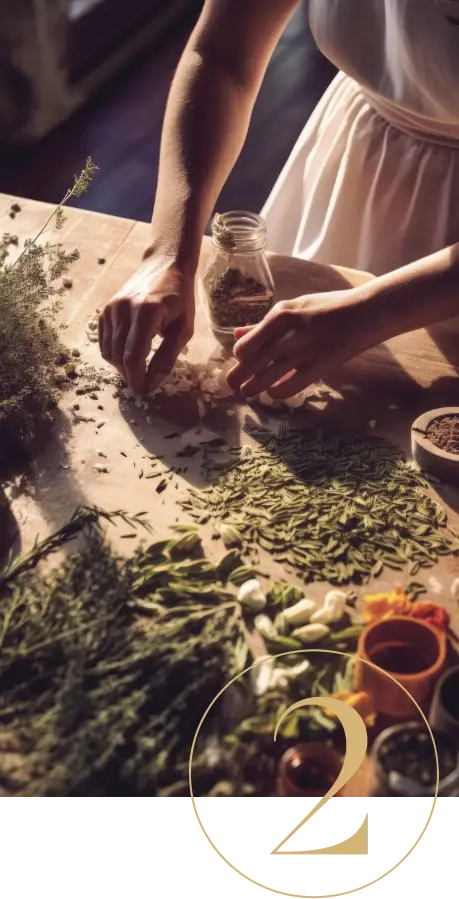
point(435, 443)
point(405, 762)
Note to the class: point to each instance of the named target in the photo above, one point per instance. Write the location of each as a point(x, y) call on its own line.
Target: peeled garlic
point(334, 603)
point(455, 589)
point(297, 670)
point(251, 595)
point(332, 610)
point(311, 633)
point(265, 676)
point(321, 617)
point(265, 627)
point(261, 675)
point(300, 613)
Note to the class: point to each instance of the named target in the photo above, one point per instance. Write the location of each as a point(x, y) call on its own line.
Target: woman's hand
point(298, 342)
point(158, 299)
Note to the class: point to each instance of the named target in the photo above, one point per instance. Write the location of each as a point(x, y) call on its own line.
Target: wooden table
point(416, 372)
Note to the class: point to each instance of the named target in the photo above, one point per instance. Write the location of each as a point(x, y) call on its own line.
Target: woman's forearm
point(205, 126)
point(415, 296)
point(208, 115)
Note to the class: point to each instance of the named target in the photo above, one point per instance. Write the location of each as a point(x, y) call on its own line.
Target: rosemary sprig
point(83, 517)
point(107, 663)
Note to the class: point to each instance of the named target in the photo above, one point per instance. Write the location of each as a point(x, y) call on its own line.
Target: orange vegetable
point(384, 605)
point(361, 702)
point(431, 613)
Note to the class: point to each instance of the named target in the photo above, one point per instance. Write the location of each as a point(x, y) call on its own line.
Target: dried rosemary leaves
point(108, 664)
point(335, 507)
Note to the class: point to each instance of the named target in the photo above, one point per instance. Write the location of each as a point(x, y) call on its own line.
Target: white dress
point(373, 181)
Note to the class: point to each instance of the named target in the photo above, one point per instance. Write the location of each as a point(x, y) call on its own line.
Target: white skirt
point(365, 187)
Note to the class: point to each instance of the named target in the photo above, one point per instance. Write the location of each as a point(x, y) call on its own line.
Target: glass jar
point(236, 285)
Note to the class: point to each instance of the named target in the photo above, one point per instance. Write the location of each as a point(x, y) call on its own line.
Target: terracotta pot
point(444, 714)
point(309, 769)
point(412, 651)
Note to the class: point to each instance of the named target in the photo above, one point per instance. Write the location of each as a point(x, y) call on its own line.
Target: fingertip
point(242, 331)
point(239, 350)
point(232, 376)
point(134, 377)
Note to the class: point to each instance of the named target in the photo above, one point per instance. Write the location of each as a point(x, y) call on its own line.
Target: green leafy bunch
point(107, 664)
point(30, 287)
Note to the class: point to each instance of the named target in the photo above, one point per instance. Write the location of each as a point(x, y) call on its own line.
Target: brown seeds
point(236, 299)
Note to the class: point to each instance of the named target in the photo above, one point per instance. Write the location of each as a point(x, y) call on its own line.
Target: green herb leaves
point(108, 664)
point(332, 506)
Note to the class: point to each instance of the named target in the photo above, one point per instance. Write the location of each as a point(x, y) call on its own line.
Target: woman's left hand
point(298, 342)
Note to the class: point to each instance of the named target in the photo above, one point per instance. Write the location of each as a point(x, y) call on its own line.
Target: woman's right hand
point(157, 300)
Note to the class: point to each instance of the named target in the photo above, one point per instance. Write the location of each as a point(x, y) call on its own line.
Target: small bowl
point(444, 714)
point(308, 762)
point(396, 784)
point(429, 457)
point(400, 642)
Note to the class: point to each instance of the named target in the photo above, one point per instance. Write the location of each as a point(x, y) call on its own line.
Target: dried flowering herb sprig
point(30, 286)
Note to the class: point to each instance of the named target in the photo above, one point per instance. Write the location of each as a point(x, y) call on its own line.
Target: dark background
point(120, 127)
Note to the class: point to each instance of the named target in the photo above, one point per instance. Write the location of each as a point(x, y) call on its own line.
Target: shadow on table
point(371, 388)
point(174, 432)
point(50, 482)
point(10, 535)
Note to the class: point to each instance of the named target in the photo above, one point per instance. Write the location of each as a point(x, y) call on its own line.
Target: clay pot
point(444, 714)
point(412, 651)
point(309, 769)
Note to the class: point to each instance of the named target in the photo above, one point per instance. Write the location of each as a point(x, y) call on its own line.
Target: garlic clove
point(265, 627)
point(261, 675)
point(300, 613)
point(311, 633)
point(251, 595)
point(322, 616)
point(335, 604)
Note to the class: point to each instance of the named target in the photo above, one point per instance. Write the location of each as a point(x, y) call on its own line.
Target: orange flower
point(432, 613)
point(385, 605)
point(361, 702)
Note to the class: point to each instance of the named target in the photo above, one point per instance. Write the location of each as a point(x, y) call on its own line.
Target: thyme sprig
point(30, 288)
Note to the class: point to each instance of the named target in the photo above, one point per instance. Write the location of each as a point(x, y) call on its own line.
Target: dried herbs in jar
point(236, 285)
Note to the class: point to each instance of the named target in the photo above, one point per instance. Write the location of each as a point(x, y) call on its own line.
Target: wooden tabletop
point(416, 372)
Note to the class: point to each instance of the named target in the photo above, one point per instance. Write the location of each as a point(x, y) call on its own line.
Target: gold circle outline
point(304, 895)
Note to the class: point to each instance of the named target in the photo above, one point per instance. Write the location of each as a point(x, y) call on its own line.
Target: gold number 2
point(356, 747)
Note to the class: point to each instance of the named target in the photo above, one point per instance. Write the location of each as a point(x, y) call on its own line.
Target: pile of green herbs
point(30, 286)
point(331, 505)
point(107, 664)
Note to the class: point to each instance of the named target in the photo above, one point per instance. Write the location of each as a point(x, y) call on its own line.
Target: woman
point(373, 183)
